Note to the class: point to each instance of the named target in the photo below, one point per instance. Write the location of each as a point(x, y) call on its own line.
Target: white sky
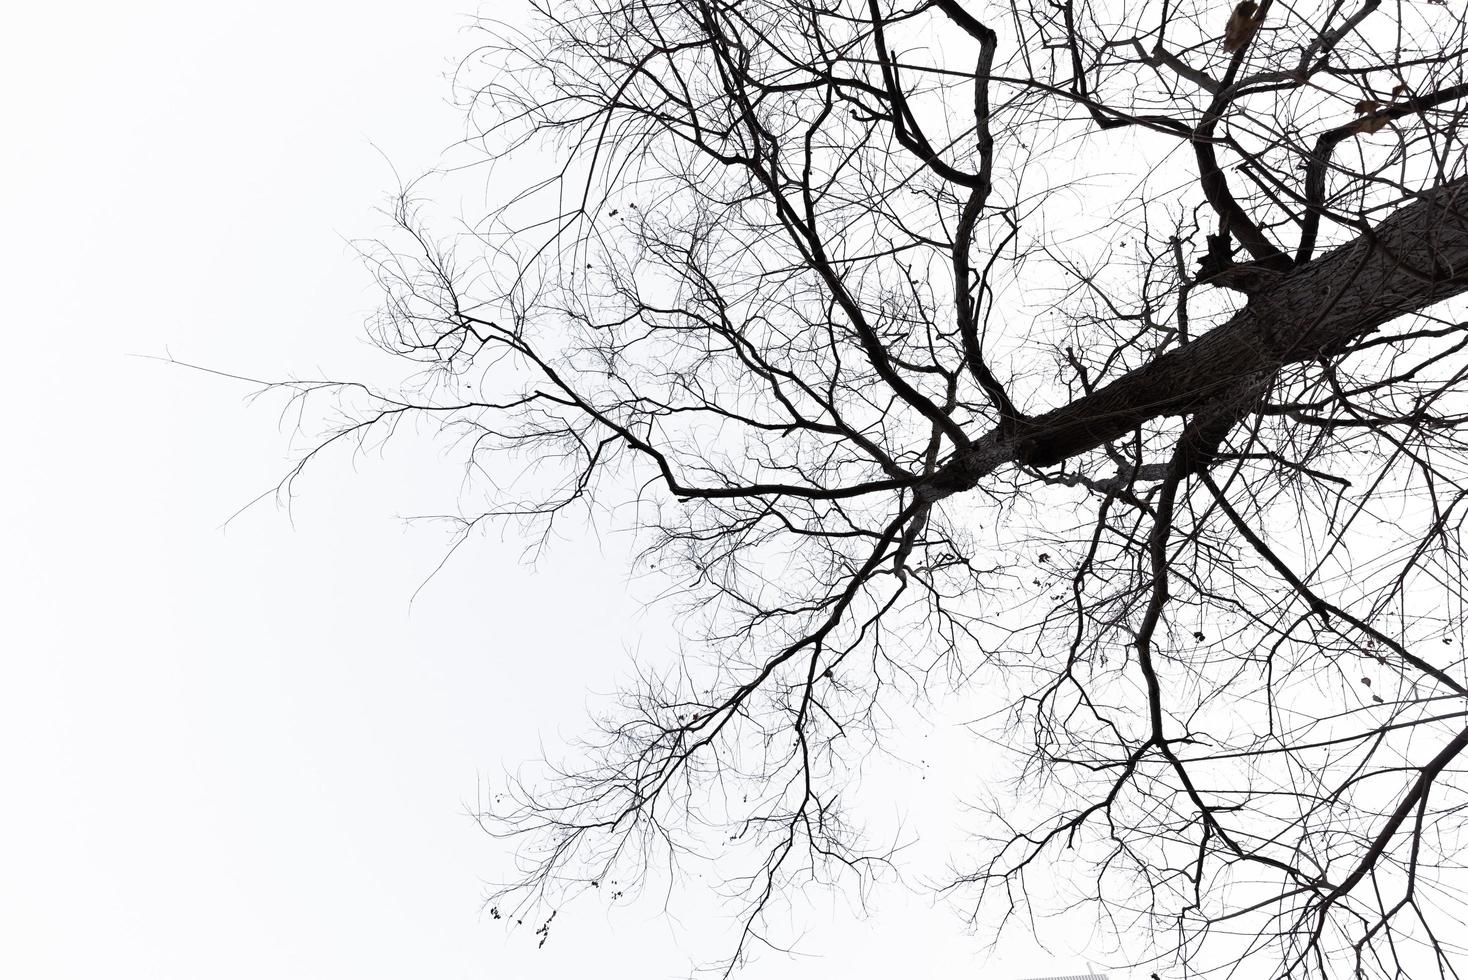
point(238, 752)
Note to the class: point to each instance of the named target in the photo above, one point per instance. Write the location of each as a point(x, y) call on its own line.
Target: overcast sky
point(232, 748)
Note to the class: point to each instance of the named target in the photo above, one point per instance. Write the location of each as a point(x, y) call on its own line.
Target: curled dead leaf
point(1242, 24)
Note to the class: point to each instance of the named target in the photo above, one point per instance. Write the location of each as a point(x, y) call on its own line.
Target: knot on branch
point(1218, 268)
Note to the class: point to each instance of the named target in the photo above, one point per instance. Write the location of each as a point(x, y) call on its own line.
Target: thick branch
point(1417, 257)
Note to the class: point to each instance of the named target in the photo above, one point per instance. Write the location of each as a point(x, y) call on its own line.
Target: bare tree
point(1159, 295)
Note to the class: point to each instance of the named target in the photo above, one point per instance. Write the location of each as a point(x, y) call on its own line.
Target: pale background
point(238, 751)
